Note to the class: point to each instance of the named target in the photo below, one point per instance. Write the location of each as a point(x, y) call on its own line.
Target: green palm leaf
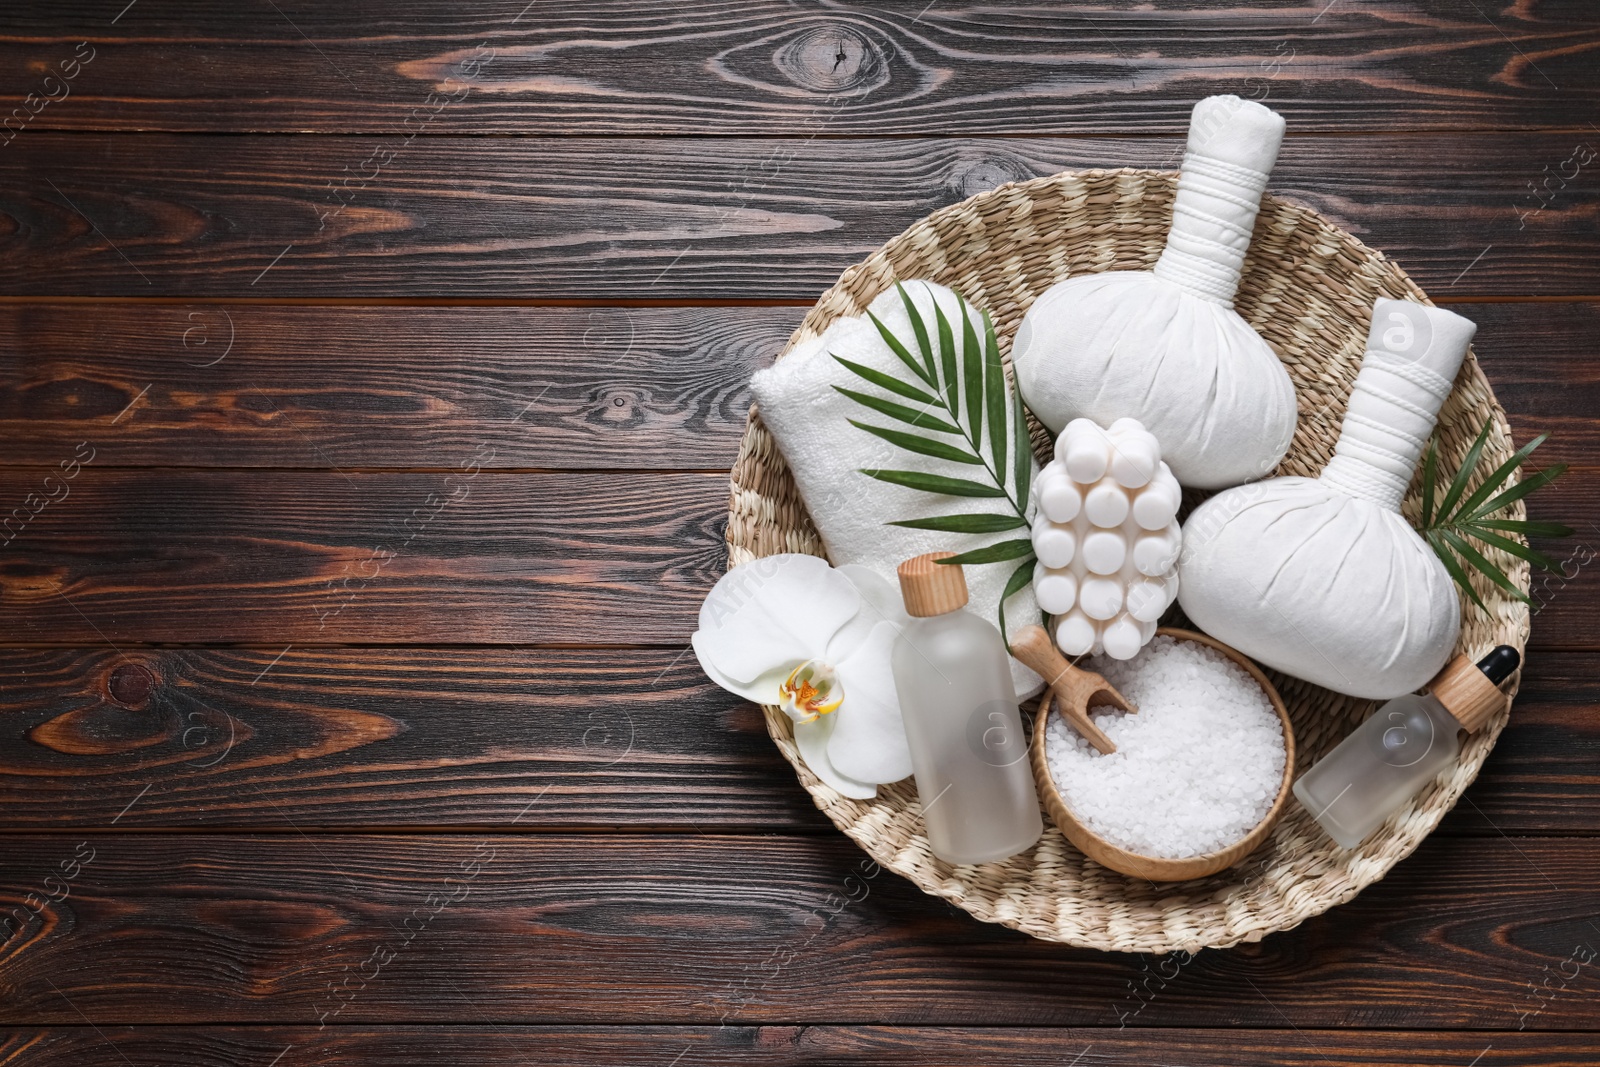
point(1526, 527)
point(1480, 563)
point(1499, 475)
point(974, 523)
point(921, 332)
point(1520, 490)
point(998, 552)
point(1023, 449)
point(912, 416)
point(947, 359)
point(1453, 566)
point(1015, 584)
point(1428, 472)
point(1018, 580)
point(1458, 484)
point(897, 348)
point(887, 381)
point(971, 374)
point(920, 445)
point(934, 483)
point(994, 393)
point(1515, 548)
point(1452, 524)
point(959, 390)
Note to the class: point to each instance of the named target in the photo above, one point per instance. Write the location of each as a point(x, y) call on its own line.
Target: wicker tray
point(1308, 288)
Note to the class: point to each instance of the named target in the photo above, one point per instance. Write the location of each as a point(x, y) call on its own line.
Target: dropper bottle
point(960, 714)
point(1400, 748)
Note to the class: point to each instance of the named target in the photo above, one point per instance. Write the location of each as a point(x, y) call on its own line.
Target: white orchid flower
point(791, 631)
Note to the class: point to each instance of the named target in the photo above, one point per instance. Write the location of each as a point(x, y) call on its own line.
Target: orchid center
point(811, 691)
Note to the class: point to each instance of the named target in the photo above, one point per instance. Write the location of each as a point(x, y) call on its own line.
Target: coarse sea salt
point(1195, 770)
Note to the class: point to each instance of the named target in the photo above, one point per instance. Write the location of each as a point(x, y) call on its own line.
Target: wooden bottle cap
point(1470, 695)
point(932, 588)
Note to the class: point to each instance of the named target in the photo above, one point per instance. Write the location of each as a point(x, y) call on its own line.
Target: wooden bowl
point(1155, 868)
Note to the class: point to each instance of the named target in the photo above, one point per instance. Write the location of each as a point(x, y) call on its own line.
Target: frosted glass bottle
point(1401, 747)
point(968, 749)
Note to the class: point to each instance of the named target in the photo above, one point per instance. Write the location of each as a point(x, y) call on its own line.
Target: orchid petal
point(775, 611)
point(763, 689)
point(880, 601)
point(869, 742)
point(812, 740)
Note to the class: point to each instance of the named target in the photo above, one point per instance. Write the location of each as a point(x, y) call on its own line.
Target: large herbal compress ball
point(1322, 578)
point(1165, 346)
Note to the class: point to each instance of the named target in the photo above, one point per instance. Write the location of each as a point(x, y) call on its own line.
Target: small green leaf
point(973, 523)
point(1018, 581)
point(1499, 475)
point(1453, 566)
point(1462, 515)
point(934, 483)
point(972, 376)
point(1458, 484)
point(1525, 527)
point(994, 393)
point(1478, 561)
point(913, 416)
point(947, 360)
point(897, 348)
point(921, 331)
point(1429, 463)
point(995, 553)
point(1015, 584)
point(1023, 448)
point(1514, 548)
point(922, 446)
point(889, 382)
point(1517, 492)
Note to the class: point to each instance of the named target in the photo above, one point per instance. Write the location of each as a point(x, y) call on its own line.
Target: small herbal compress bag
point(1165, 346)
point(1321, 577)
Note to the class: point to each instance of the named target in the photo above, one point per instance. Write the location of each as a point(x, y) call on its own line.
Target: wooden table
point(369, 377)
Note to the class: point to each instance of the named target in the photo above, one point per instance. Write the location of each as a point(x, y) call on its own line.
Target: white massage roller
point(1106, 537)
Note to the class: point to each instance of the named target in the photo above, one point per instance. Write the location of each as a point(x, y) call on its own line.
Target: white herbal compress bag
point(1165, 346)
point(1321, 577)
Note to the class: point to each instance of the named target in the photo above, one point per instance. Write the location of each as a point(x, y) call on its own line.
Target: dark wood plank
point(251, 385)
point(705, 218)
point(1549, 385)
point(272, 558)
point(386, 737)
point(490, 1045)
point(535, 739)
point(327, 557)
point(766, 66)
point(259, 385)
point(286, 929)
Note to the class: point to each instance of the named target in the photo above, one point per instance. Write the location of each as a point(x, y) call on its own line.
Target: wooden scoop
point(1074, 690)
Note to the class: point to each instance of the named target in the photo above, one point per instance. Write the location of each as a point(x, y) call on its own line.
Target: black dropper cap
point(1498, 665)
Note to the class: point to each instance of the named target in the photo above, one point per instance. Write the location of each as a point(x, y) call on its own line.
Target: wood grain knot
point(620, 408)
point(971, 176)
point(833, 57)
point(145, 708)
point(130, 685)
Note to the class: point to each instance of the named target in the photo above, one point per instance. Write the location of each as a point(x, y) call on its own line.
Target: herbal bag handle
point(1413, 353)
point(1232, 146)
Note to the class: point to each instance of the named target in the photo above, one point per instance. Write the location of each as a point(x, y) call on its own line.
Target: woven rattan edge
point(1052, 892)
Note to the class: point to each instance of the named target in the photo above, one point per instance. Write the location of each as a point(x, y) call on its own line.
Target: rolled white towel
point(809, 419)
